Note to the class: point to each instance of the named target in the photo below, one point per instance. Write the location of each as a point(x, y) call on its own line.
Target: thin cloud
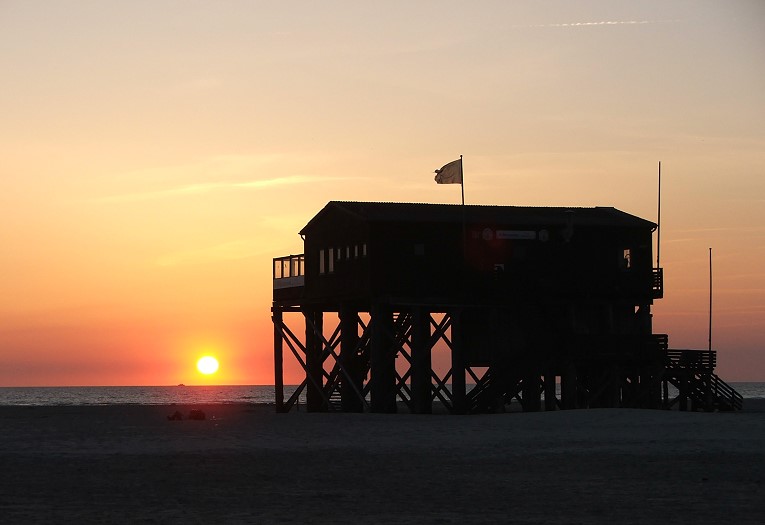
point(602, 23)
point(209, 187)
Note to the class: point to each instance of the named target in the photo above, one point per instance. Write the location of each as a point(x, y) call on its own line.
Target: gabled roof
point(381, 212)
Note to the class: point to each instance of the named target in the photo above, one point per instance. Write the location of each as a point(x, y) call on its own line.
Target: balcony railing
point(289, 271)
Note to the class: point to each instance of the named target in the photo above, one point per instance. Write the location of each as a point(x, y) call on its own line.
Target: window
point(321, 261)
point(364, 250)
point(331, 260)
point(626, 259)
point(356, 251)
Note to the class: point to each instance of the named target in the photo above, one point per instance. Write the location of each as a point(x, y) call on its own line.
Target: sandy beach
point(247, 464)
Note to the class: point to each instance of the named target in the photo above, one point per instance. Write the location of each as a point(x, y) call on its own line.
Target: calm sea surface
point(166, 395)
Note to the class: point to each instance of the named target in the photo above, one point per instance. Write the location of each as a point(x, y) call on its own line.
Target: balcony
point(288, 276)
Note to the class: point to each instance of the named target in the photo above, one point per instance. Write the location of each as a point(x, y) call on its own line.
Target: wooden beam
point(315, 397)
point(421, 362)
point(382, 360)
point(277, 318)
point(459, 399)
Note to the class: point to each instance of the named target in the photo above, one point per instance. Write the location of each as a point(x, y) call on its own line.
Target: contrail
point(603, 23)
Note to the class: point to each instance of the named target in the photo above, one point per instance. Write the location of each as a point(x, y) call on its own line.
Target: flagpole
point(710, 299)
point(462, 181)
point(464, 220)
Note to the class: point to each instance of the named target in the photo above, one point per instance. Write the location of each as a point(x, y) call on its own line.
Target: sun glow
point(207, 365)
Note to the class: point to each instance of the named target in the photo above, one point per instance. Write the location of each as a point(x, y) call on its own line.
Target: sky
point(156, 155)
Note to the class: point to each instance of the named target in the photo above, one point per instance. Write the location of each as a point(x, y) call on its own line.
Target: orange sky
point(154, 157)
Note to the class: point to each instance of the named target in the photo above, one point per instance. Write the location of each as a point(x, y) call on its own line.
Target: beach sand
point(247, 464)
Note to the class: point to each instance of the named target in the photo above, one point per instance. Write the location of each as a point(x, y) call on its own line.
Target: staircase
point(692, 373)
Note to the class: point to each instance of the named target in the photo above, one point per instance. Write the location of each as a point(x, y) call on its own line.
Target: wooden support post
point(459, 397)
point(277, 317)
point(382, 361)
point(568, 387)
point(683, 391)
point(531, 394)
point(313, 358)
point(550, 390)
point(421, 362)
point(351, 360)
point(654, 386)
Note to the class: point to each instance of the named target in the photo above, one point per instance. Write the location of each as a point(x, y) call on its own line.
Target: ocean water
point(167, 395)
point(137, 395)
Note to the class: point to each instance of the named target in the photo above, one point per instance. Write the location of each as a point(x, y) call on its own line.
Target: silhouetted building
point(549, 307)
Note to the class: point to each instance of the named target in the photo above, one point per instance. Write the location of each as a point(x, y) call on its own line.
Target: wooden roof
point(399, 212)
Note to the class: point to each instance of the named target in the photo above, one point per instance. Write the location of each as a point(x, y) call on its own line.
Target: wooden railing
point(289, 271)
point(726, 395)
point(692, 359)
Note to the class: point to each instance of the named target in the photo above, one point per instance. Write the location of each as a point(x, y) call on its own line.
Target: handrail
point(692, 359)
point(723, 391)
point(289, 266)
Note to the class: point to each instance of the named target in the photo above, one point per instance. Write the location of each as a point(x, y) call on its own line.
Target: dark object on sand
point(175, 416)
point(197, 414)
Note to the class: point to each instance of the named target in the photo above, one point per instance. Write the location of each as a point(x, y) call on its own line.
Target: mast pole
point(462, 181)
point(710, 299)
point(658, 225)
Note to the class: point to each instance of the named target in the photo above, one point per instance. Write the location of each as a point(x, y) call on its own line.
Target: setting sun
point(207, 365)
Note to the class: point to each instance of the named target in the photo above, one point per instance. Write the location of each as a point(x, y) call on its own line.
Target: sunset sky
point(155, 155)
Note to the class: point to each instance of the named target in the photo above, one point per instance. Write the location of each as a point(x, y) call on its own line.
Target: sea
point(168, 395)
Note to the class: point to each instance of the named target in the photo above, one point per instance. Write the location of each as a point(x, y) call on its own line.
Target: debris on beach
point(197, 414)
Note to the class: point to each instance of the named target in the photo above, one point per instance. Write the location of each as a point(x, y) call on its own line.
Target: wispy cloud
point(602, 23)
point(209, 187)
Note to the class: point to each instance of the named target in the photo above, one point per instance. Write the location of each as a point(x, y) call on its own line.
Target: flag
point(450, 173)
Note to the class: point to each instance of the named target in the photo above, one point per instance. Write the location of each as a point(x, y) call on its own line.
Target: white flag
point(450, 173)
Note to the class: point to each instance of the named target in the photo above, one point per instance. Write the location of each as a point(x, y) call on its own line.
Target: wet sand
point(246, 464)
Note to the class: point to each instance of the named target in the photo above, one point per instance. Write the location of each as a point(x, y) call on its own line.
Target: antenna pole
point(710, 299)
point(462, 181)
point(658, 225)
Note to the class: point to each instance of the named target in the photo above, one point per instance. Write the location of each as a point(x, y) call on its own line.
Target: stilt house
point(539, 308)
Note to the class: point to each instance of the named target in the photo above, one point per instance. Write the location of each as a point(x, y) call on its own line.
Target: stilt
point(351, 359)
point(459, 400)
point(382, 361)
point(569, 387)
point(421, 362)
point(550, 398)
point(278, 360)
point(314, 362)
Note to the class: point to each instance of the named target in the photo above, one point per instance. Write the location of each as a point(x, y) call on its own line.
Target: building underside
point(379, 358)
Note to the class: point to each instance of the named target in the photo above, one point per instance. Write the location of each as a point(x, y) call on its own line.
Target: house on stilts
point(545, 308)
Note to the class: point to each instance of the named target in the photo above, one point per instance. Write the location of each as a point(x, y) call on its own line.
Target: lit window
point(627, 259)
point(364, 250)
point(356, 251)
